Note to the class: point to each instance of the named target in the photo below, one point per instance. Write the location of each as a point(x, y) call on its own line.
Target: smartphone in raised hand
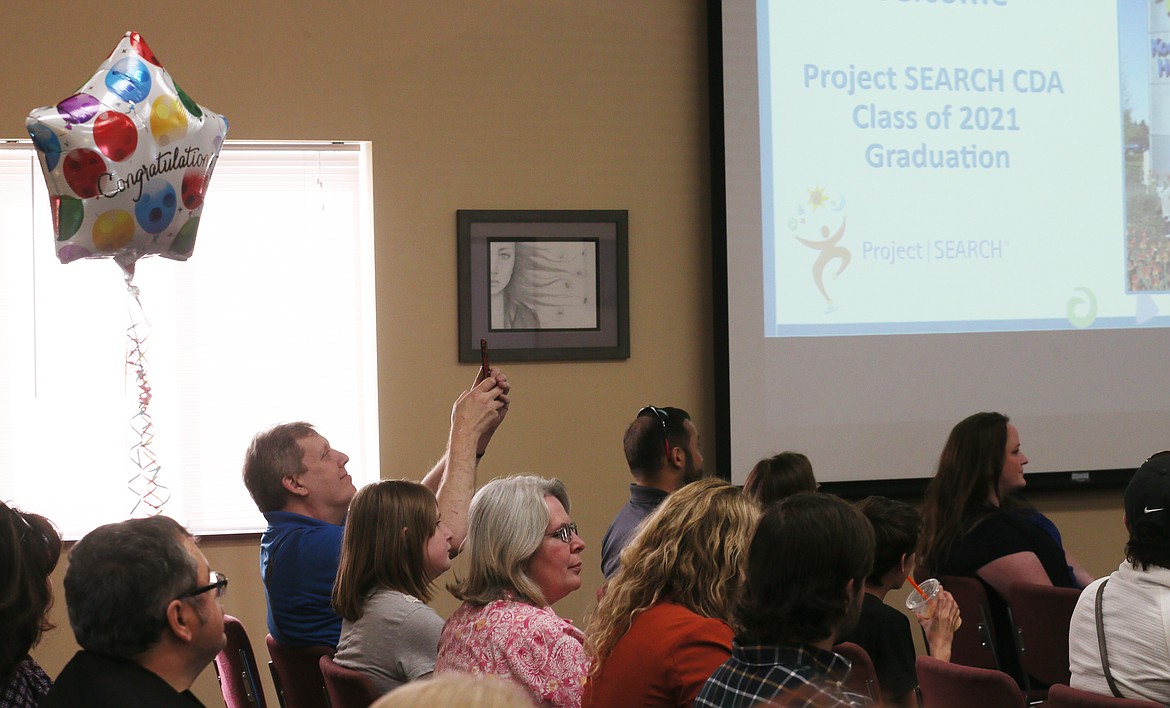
point(485, 369)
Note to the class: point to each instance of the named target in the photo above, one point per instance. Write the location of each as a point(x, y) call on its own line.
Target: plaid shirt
point(791, 676)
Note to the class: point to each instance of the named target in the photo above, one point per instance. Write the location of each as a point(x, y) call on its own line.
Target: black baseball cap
point(1147, 498)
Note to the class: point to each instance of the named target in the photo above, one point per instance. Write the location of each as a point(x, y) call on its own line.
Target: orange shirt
point(663, 660)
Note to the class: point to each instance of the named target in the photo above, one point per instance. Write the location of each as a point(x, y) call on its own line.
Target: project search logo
point(819, 224)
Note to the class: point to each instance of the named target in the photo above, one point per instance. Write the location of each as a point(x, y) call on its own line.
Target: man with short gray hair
point(144, 606)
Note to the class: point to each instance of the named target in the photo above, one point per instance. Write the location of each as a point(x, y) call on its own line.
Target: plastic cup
point(923, 606)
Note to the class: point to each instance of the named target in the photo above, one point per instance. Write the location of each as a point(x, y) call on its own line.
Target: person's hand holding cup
point(921, 601)
point(938, 613)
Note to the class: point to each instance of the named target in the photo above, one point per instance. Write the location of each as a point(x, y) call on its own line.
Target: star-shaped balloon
point(127, 160)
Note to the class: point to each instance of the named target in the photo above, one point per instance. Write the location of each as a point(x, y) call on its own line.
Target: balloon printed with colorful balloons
point(127, 160)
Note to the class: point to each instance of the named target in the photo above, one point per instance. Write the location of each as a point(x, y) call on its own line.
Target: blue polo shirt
point(298, 564)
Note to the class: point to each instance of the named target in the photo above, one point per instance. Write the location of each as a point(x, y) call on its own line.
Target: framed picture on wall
point(543, 285)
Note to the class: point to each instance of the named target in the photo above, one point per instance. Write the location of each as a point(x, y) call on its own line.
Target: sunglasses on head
point(662, 416)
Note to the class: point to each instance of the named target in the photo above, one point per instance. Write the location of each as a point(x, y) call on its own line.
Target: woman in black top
point(975, 524)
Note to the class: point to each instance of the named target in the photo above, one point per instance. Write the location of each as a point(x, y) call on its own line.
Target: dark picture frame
point(543, 285)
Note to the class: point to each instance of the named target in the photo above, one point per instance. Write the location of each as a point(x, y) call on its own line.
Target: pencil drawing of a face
point(502, 258)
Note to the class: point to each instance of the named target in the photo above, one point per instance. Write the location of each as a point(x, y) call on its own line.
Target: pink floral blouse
point(532, 646)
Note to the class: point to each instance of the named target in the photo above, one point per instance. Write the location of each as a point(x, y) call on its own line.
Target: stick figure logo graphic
point(831, 231)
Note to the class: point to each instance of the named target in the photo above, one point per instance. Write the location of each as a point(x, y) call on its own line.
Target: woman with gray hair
point(525, 555)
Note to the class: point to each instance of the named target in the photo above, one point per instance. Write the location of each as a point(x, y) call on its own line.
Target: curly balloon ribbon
point(149, 493)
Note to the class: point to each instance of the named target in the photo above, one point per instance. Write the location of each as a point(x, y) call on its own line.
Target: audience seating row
point(309, 678)
point(304, 678)
point(235, 668)
point(863, 676)
point(947, 685)
point(1040, 617)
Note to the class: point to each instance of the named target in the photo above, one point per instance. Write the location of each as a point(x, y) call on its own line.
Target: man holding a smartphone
point(300, 484)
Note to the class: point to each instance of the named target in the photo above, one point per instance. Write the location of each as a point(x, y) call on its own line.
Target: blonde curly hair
point(692, 550)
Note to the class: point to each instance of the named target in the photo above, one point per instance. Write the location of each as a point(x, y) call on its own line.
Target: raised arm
point(475, 416)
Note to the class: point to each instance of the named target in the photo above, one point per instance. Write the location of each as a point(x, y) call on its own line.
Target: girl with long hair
point(395, 545)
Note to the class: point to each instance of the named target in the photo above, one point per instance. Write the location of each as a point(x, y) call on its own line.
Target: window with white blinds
point(271, 320)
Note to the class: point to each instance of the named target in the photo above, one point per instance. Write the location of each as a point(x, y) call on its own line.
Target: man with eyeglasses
point(144, 606)
point(662, 449)
point(301, 485)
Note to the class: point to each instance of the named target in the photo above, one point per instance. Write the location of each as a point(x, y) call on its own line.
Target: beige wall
point(524, 104)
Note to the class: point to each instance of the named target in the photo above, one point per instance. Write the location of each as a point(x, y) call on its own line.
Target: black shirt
point(1001, 534)
point(98, 681)
point(884, 633)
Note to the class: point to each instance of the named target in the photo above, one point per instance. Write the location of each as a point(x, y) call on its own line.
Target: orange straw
point(920, 592)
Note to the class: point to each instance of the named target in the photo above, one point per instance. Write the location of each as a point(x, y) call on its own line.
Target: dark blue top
point(298, 564)
point(1003, 533)
point(1000, 534)
point(643, 500)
